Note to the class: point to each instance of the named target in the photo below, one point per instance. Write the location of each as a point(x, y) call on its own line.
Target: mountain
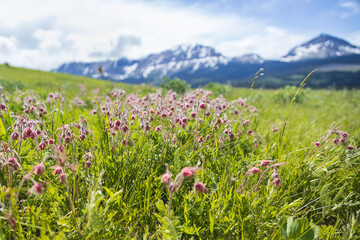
point(200, 64)
point(323, 46)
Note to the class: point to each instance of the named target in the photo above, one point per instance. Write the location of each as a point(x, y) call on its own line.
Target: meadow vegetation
point(86, 159)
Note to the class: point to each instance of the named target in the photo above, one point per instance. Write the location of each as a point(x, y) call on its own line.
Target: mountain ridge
point(199, 64)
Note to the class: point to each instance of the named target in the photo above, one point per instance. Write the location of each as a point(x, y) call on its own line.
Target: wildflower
point(202, 105)
point(350, 147)
point(61, 148)
point(335, 141)
point(277, 182)
point(67, 139)
point(344, 134)
point(62, 177)
point(87, 164)
point(254, 170)
point(87, 156)
point(57, 171)
point(82, 137)
point(42, 146)
point(2, 106)
point(200, 139)
point(189, 171)
point(15, 135)
point(166, 179)
point(249, 132)
point(246, 122)
point(39, 169)
point(342, 140)
point(275, 129)
point(200, 187)
point(27, 133)
point(125, 128)
point(193, 114)
point(264, 163)
point(317, 144)
point(157, 128)
point(12, 162)
point(231, 135)
point(37, 188)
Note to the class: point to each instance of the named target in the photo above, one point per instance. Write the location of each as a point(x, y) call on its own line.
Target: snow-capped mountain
point(183, 58)
point(323, 46)
point(200, 64)
point(249, 58)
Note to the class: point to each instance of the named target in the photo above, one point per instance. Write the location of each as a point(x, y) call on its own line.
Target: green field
point(105, 174)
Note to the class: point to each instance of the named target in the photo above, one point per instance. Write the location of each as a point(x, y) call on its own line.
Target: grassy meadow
point(88, 159)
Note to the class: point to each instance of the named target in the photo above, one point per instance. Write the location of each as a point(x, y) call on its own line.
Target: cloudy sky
point(42, 34)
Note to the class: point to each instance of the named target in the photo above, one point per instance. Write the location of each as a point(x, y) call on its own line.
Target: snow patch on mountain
point(323, 46)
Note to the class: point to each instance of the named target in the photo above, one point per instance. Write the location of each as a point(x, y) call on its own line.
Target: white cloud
point(48, 39)
point(95, 30)
point(350, 8)
point(273, 42)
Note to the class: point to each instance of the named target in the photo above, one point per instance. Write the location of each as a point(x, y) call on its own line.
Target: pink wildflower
point(166, 179)
point(12, 162)
point(200, 187)
point(255, 170)
point(87, 164)
point(42, 146)
point(57, 170)
point(350, 147)
point(277, 182)
point(344, 134)
point(264, 163)
point(15, 135)
point(189, 171)
point(37, 188)
point(39, 169)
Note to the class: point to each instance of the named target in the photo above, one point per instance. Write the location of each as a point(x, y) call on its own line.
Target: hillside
point(20, 78)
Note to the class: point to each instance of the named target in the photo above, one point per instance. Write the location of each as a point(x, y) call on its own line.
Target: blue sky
point(42, 34)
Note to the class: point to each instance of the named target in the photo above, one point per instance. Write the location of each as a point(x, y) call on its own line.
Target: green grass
point(120, 196)
point(44, 82)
